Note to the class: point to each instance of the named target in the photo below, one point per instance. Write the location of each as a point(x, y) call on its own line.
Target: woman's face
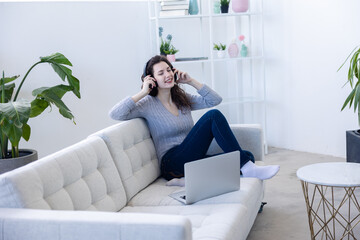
point(163, 75)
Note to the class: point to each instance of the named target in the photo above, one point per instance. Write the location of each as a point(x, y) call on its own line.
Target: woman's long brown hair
point(178, 95)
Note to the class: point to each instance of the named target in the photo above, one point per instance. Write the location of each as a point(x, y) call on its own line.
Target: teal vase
point(193, 7)
point(243, 51)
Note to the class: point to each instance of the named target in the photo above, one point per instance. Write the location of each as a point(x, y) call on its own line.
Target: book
point(169, 13)
point(175, 7)
point(179, 2)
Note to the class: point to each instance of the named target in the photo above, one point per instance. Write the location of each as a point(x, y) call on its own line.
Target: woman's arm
point(133, 107)
point(208, 97)
point(185, 78)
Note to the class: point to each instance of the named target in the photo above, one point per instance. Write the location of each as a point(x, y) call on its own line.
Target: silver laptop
point(210, 177)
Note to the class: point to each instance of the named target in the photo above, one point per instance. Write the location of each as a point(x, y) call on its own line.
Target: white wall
point(306, 42)
point(107, 42)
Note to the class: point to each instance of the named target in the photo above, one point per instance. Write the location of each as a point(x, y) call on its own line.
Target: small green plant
point(354, 81)
point(219, 47)
point(166, 48)
point(224, 2)
point(14, 113)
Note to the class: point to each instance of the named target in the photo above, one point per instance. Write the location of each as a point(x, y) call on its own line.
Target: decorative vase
point(171, 57)
point(221, 53)
point(233, 49)
point(216, 7)
point(26, 156)
point(240, 5)
point(244, 50)
point(224, 9)
point(193, 7)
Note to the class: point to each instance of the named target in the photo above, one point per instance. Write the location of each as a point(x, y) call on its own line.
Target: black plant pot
point(224, 9)
point(26, 156)
point(353, 146)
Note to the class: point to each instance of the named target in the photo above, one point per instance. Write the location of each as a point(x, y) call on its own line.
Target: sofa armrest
point(250, 138)
point(34, 224)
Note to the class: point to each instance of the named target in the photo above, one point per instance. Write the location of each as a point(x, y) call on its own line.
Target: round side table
point(330, 191)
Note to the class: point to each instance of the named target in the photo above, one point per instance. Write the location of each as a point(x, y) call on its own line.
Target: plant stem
point(18, 90)
point(15, 151)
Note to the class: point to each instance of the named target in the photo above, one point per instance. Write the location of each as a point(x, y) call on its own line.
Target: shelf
point(221, 15)
point(232, 78)
point(227, 59)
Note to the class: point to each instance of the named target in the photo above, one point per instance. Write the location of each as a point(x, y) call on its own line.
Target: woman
point(167, 110)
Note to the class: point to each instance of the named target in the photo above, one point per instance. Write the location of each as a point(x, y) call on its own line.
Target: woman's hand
point(183, 77)
point(148, 84)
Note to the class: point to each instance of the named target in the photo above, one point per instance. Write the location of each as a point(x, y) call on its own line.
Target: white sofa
point(108, 186)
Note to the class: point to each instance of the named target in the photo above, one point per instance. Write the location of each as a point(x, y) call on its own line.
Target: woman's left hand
point(183, 77)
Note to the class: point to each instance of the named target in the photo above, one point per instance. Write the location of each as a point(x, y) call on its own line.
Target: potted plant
point(15, 113)
point(170, 54)
point(353, 136)
point(220, 49)
point(224, 6)
point(166, 48)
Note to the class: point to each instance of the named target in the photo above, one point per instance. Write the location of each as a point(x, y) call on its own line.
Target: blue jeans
point(211, 125)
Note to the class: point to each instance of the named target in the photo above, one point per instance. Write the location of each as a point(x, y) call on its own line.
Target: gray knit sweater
point(167, 130)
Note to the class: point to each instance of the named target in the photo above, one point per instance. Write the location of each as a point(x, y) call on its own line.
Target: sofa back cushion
point(133, 151)
point(80, 177)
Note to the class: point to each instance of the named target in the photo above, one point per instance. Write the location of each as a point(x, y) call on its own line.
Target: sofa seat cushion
point(217, 221)
point(157, 194)
point(80, 177)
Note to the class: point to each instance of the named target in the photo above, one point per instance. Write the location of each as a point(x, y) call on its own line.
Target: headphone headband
point(144, 72)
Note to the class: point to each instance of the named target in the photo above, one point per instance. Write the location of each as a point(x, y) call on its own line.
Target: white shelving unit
point(240, 80)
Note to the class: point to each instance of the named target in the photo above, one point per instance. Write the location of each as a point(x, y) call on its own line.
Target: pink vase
point(240, 5)
point(233, 50)
point(171, 57)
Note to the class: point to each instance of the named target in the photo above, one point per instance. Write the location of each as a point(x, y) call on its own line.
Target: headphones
point(144, 72)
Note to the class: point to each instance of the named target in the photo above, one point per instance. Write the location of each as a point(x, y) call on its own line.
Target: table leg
point(333, 212)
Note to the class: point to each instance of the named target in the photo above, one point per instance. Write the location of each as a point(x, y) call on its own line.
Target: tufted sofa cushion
point(133, 151)
point(80, 177)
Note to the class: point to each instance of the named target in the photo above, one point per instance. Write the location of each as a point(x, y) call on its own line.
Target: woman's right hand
point(148, 84)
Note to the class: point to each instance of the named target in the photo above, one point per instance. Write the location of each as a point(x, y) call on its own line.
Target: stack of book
point(174, 8)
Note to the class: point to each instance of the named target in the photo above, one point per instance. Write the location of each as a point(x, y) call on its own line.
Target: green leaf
point(53, 95)
point(350, 97)
point(357, 97)
point(59, 90)
point(9, 89)
point(12, 132)
point(17, 112)
point(75, 83)
point(9, 79)
point(62, 71)
point(66, 73)
point(37, 107)
point(26, 132)
point(14, 115)
point(56, 58)
point(347, 58)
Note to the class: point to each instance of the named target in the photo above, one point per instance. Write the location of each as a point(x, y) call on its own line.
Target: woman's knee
point(214, 113)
